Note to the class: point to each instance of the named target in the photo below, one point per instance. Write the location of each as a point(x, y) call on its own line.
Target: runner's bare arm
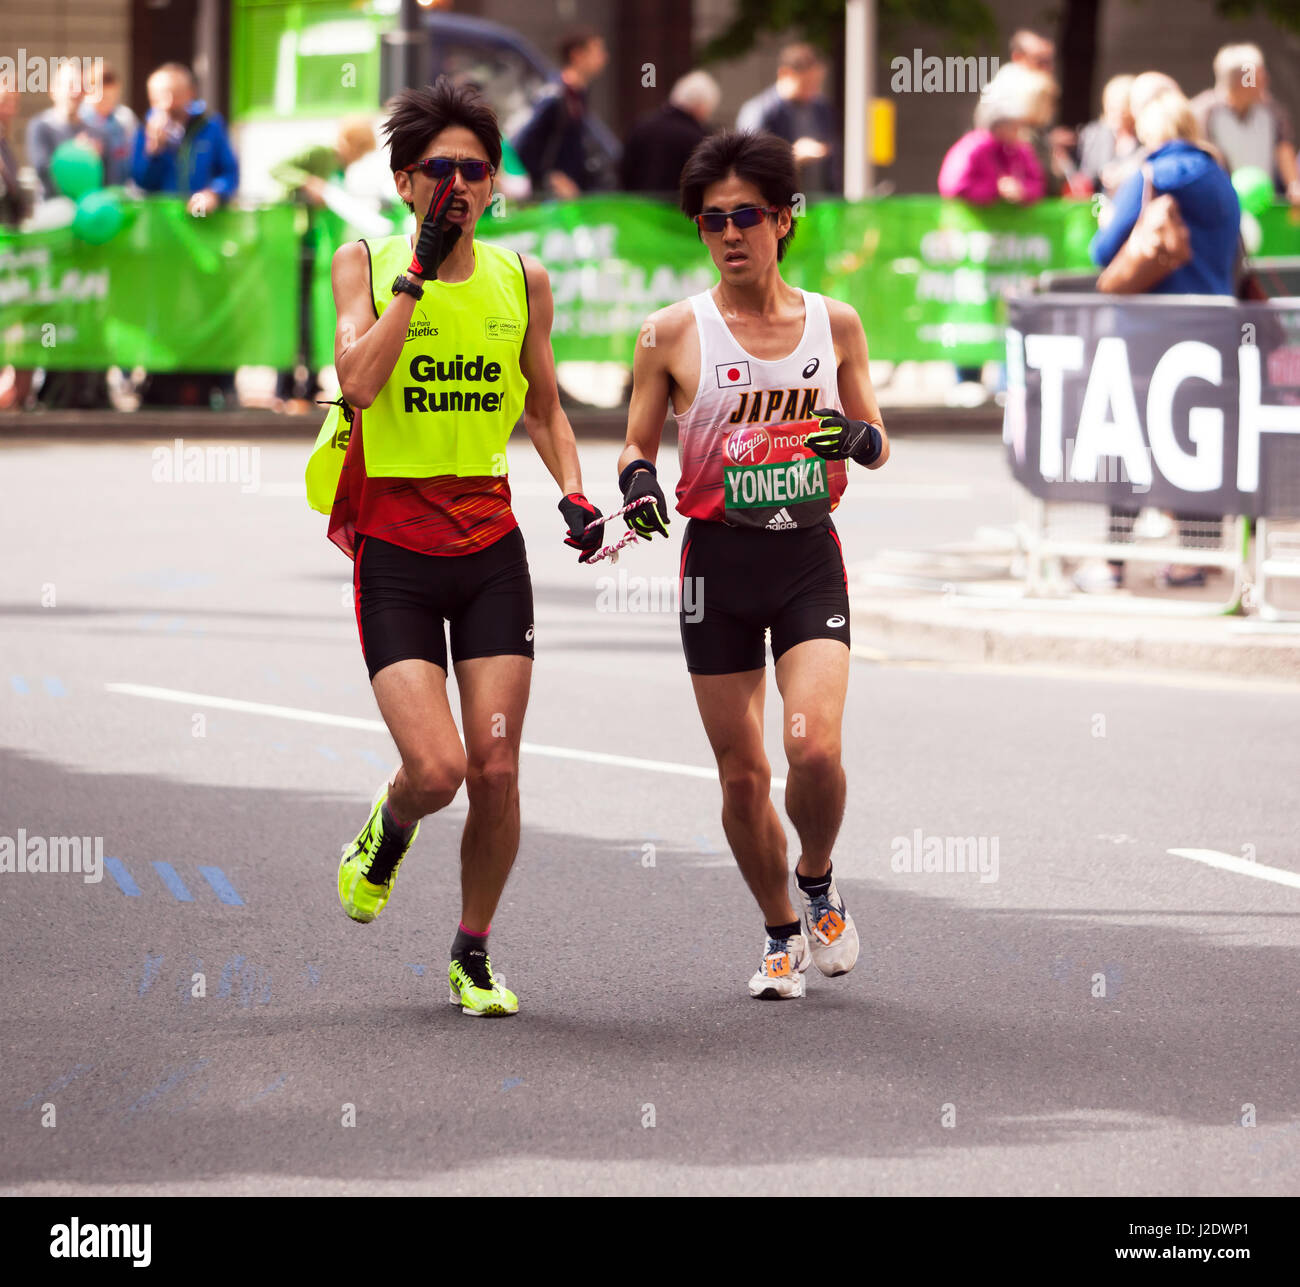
point(651, 387)
point(365, 350)
point(856, 394)
point(544, 418)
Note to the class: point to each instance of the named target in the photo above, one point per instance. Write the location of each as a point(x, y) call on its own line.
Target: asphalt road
point(1100, 1018)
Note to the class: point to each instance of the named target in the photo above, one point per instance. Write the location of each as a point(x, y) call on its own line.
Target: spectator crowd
point(1148, 140)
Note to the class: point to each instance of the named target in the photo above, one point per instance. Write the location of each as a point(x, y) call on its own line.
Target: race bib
point(772, 480)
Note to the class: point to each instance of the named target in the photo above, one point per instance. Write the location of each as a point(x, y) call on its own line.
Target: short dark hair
point(417, 115)
point(576, 38)
point(758, 157)
point(799, 58)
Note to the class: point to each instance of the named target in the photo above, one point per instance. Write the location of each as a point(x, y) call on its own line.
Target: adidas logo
point(781, 521)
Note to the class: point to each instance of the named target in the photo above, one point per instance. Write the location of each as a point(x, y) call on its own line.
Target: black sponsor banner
point(1191, 405)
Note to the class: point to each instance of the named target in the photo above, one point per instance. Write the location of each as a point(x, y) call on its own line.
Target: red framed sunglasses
point(443, 167)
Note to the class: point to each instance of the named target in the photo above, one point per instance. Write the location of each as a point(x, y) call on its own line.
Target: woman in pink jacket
point(995, 160)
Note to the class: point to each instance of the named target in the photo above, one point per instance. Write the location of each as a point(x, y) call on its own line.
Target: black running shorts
point(403, 598)
point(737, 582)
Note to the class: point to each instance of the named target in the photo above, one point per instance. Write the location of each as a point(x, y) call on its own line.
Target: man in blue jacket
point(182, 147)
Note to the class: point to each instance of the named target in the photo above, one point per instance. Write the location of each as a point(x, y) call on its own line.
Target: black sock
point(465, 940)
point(782, 931)
point(815, 884)
point(391, 826)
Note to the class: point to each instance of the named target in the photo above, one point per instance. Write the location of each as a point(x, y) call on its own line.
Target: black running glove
point(578, 511)
point(436, 237)
point(843, 439)
point(636, 481)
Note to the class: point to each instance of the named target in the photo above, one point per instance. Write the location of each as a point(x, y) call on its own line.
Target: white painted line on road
point(378, 726)
point(250, 708)
point(1240, 866)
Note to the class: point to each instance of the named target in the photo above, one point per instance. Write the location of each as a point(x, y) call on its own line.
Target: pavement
point(1106, 1005)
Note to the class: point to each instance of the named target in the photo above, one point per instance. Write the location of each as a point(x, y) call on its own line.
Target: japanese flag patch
point(733, 375)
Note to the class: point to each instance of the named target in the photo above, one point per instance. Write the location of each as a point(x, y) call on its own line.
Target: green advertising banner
point(929, 277)
point(169, 292)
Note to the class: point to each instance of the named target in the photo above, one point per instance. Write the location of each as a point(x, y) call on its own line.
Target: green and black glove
point(636, 481)
point(843, 439)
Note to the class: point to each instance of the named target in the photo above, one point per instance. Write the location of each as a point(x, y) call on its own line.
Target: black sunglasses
point(443, 167)
point(745, 217)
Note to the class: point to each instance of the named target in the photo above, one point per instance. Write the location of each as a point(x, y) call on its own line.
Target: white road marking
point(378, 726)
point(1240, 866)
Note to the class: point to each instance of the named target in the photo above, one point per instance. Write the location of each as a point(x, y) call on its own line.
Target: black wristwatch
point(405, 286)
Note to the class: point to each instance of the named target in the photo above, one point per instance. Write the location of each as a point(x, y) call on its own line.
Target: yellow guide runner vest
point(457, 390)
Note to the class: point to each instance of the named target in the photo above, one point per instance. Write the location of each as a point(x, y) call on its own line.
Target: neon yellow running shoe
point(476, 989)
point(368, 869)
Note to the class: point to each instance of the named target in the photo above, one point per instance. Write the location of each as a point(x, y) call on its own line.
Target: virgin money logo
point(751, 445)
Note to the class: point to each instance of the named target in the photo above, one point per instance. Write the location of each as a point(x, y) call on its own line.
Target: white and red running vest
point(740, 441)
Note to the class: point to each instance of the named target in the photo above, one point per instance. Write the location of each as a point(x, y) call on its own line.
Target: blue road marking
point(228, 972)
point(419, 969)
point(173, 882)
point(152, 968)
point(327, 751)
point(373, 757)
point(221, 886)
point(19, 685)
point(313, 976)
point(54, 686)
point(274, 1086)
point(123, 877)
point(510, 1083)
point(250, 980)
point(169, 1083)
point(57, 1086)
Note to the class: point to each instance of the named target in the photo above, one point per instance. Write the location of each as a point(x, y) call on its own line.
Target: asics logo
point(835, 622)
point(528, 635)
point(811, 369)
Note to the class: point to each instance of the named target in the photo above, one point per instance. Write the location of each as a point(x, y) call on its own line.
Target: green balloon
point(100, 217)
point(76, 170)
point(1254, 189)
